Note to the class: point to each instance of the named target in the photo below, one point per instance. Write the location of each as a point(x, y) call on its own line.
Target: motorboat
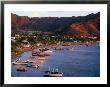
point(71, 49)
point(21, 69)
point(33, 66)
point(40, 58)
point(59, 48)
point(55, 74)
point(48, 52)
point(42, 55)
point(20, 63)
point(35, 53)
point(44, 49)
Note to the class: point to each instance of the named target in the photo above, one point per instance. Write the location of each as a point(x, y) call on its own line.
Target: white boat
point(40, 58)
point(53, 73)
point(71, 49)
point(19, 63)
point(22, 62)
point(33, 66)
point(48, 52)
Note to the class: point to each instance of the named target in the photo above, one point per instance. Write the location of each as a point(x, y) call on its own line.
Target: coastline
point(22, 49)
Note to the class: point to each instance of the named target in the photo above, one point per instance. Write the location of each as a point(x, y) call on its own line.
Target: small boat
point(44, 49)
point(33, 66)
point(19, 63)
point(65, 44)
point(22, 62)
point(40, 54)
point(35, 53)
point(21, 69)
point(59, 48)
point(54, 73)
point(43, 55)
point(48, 52)
point(40, 58)
point(71, 49)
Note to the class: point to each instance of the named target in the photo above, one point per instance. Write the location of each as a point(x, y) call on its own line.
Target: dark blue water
point(83, 62)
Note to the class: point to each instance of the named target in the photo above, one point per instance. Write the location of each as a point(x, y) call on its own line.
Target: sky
point(53, 13)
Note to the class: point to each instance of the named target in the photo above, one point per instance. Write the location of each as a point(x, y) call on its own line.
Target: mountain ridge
point(73, 26)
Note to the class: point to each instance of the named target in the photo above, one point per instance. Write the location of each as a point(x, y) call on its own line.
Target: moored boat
point(59, 48)
point(35, 53)
point(33, 66)
point(42, 55)
point(53, 73)
point(20, 63)
point(71, 49)
point(48, 52)
point(21, 69)
point(66, 44)
point(44, 49)
point(40, 58)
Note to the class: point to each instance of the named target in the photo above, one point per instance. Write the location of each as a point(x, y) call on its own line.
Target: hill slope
point(74, 26)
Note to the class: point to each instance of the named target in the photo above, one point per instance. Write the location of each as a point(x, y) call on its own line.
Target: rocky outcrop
point(18, 21)
point(87, 28)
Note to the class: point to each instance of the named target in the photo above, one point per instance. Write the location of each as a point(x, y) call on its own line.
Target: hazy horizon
point(53, 13)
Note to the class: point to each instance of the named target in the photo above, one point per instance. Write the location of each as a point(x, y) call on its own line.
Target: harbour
point(82, 61)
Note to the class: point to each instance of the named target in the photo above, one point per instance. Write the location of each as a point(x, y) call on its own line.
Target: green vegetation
point(34, 38)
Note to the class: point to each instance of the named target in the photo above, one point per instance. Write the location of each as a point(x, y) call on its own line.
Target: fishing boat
point(19, 63)
point(44, 49)
point(42, 55)
point(71, 49)
point(66, 44)
point(22, 62)
point(35, 53)
point(33, 66)
point(21, 69)
point(48, 52)
point(40, 58)
point(59, 48)
point(53, 73)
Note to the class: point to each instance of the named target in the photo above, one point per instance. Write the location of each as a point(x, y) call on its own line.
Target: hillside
point(73, 26)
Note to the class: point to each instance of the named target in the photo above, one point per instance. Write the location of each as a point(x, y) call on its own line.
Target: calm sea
point(84, 61)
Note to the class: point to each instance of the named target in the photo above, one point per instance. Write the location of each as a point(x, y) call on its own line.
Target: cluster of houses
point(24, 43)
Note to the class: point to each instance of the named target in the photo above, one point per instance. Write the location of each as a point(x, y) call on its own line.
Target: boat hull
point(55, 75)
point(21, 69)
